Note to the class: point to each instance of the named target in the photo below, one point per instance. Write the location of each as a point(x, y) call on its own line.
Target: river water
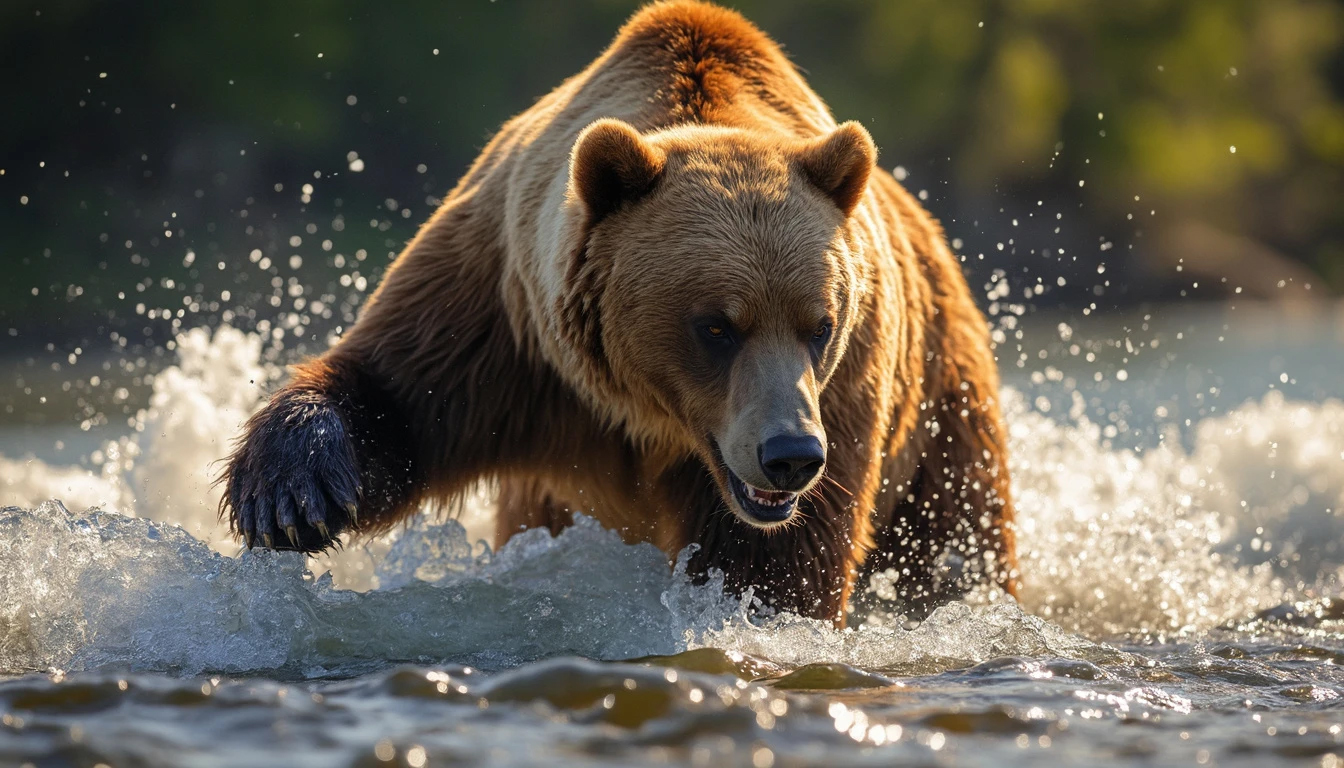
point(1180, 480)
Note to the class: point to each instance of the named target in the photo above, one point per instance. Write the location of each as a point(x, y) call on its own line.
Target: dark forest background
point(224, 158)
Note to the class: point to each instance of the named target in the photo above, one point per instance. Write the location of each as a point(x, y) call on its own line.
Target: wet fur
point(461, 369)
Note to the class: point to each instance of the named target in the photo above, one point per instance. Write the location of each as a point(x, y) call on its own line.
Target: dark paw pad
point(294, 482)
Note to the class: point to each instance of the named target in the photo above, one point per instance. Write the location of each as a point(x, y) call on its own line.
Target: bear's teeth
point(771, 500)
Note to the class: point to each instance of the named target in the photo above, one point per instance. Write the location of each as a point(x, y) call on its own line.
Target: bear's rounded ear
point(612, 164)
point(839, 164)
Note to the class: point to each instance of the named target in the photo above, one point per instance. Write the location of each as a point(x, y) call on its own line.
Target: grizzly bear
point(676, 296)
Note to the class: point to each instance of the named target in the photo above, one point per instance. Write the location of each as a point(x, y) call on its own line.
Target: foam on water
point(1202, 529)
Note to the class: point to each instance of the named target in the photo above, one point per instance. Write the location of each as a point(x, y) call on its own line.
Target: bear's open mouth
point(764, 507)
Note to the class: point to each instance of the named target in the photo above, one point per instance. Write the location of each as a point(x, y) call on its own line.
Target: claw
point(322, 529)
point(266, 539)
point(247, 537)
point(293, 533)
point(353, 511)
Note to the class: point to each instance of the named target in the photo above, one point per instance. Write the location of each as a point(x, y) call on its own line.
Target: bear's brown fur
point(670, 269)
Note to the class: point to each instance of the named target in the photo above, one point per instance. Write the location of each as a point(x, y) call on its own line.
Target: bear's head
point(713, 294)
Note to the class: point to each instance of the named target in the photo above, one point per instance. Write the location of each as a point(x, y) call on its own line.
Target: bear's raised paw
point(294, 481)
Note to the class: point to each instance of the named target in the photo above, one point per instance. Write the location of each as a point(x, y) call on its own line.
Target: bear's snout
point(791, 462)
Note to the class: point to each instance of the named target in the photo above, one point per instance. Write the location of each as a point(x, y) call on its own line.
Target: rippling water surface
point(1181, 545)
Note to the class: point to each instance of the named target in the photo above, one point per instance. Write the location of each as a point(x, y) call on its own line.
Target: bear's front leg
point(327, 455)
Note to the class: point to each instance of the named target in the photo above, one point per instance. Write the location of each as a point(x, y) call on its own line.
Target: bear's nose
point(791, 461)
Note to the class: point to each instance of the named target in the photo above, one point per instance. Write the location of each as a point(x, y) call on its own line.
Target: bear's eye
point(822, 333)
point(717, 334)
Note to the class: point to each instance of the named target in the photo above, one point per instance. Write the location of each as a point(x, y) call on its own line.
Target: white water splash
point(165, 468)
point(1111, 541)
point(1170, 540)
point(28, 482)
point(193, 417)
point(130, 591)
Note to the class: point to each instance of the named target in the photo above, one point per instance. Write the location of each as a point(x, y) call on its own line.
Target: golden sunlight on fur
point(676, 296)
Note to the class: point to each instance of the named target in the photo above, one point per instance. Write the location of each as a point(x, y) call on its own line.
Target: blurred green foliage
point(1052, 136)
